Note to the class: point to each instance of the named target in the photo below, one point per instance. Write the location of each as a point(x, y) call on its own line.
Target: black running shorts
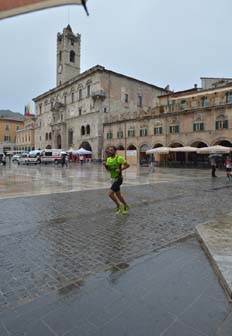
point(116, 185)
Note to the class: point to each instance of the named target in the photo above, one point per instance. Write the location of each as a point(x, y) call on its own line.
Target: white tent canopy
point(185, 149)
point(82, 151)
point(158, 150)
point(214, 150)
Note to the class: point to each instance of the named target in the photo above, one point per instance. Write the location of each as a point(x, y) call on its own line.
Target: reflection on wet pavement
point(46, 179)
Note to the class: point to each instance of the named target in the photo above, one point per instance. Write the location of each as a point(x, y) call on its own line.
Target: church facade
point(72, 114)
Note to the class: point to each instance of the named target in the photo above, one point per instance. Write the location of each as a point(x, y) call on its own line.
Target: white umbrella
point(184, 149)
point(82, 151)
point(214, 149)
point(158, 150)
point(16, 7)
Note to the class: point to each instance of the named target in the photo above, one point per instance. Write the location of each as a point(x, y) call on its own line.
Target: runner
point(228, 167)
point(115, 164)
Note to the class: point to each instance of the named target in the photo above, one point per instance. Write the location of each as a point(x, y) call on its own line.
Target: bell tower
point(68, 55)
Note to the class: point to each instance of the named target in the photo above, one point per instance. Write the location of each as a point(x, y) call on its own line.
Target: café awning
point(10, 8)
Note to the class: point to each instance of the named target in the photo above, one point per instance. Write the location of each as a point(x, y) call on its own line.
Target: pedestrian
point(115, 164)
point(213, 166)
point(228, 167)
point(63, 160)
point(81, 159)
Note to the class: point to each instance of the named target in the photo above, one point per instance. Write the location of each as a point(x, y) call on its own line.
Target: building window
point(50, 136)
point(105, 109)
point(109, 135)
point(72, 56)
point(120, 134)
point(221, 124)
point(174, 129)
point(88, 90)
point(126, 98)
point(143, 131)
point(198, 126)
point(40, 108)
point(229, 97)
point(80, 111)
point(88, 129)
point(139, 101)
point(70, 137)
point(182, 104)
point(72, 42)
point(52, 104)
point(17, 127)
point(80, 94)
point(131, 132)
point(158, 130)
point(82, 130)
point(72, 97)
point(46, 136)
point(7, 138)
point(65, 100)
point(204, 102)
point(60, 56)
point(7, 128)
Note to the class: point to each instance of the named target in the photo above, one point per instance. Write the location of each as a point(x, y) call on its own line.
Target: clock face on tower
point(60, 68)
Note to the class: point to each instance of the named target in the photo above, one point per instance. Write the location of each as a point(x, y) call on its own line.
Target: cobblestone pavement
point(50, 241)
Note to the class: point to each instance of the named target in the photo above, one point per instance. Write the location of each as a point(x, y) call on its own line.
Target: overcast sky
point(160, 42)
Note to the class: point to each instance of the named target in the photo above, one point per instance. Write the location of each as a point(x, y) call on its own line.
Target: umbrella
point(214, 149)
point(158, 150)
point(16, 7)
point(215, 155)
point(82, 151)
point(184, 149)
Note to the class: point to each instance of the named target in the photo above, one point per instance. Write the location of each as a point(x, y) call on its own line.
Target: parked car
point(29, 159)
point(16, 157)
point(2, 159)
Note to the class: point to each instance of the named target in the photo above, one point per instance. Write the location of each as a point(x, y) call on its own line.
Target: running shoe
point(125, 210)
point(118, 210)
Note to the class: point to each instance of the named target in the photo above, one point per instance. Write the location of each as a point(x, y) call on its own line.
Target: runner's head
point(112, 150)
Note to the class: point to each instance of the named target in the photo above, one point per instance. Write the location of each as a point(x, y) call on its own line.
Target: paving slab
point(216, 238)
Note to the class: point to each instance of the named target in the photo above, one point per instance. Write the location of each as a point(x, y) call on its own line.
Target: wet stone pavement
point(51, 244)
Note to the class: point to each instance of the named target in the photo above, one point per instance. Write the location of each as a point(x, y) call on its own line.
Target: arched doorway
point(178, 157)
point(157, 145)
point(143, 157)
point(198, 159)
point(120, 147)
point(131, 154)
point(48, 147)
point(58, 140)
point(225, 143)
point(86, 145)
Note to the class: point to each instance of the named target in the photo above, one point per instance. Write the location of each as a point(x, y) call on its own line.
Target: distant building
point(10, 122)
point(25, 136)
point(197, 117)
point(72, 114)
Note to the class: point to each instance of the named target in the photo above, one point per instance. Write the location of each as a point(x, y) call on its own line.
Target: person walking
point(213, 166)
point(228, 167)
point(115, 164)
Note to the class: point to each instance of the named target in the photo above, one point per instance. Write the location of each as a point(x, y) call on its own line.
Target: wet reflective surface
point(53, 240)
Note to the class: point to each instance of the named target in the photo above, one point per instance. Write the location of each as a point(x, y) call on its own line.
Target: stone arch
point(49, 147)
point(176, 144)
point(88, 129)
point(131, 147)
point(199, 144)
point(120, 147)
point(143, 157)
point(157, 145)
point(86, 145)
point(223, 142)
point(177, 156)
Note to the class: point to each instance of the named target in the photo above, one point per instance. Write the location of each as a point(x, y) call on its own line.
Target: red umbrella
point(15, 7)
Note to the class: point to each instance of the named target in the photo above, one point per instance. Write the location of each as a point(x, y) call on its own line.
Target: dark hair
point(114, 147)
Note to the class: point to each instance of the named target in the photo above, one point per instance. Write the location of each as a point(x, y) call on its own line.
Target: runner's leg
point(114, 198)
point(121, 199)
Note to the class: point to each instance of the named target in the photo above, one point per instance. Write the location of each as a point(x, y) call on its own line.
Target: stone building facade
point(196, 117)
point(25, 136)
point(72, 114)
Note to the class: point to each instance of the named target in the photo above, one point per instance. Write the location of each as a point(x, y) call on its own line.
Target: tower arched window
point(87, 129)
point(82, 130)
point(60, 56)
point(46, 136)
point(72, 56)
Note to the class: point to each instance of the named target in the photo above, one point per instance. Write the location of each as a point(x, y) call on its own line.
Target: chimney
point(195, 86)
